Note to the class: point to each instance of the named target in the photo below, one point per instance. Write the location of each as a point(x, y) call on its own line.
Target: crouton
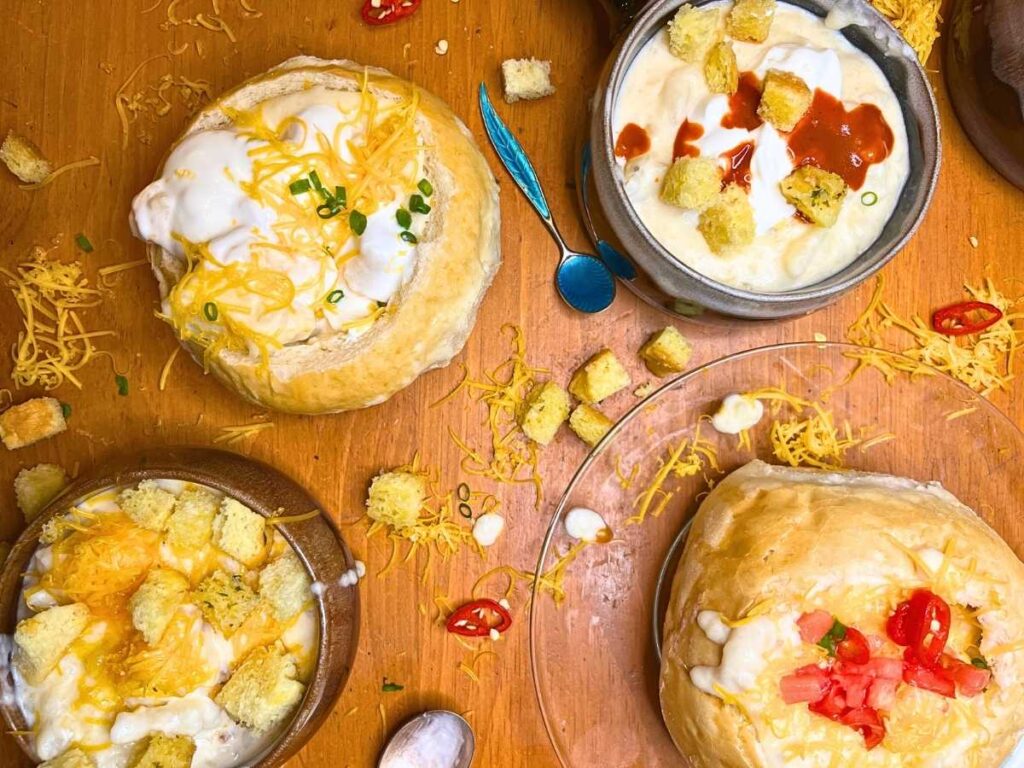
point(225, 600)
point(396, 498)
point(816, 193)
point(164, 751)
point(589, 424)
point(750, 20)
point(34, 488)
point(692, 32)
point(285, 585)
point(263, 690)
point(41, 641)
point(692, 182)
point(598, 378)
point(785, 99)
point(526, 79)
point(148, 505)
point(24, 159)
point(729, 222)
point(720, 69)
point(31, 421)
point(666, 352)
point(53, 530)
point(73, 758)
point(155, 601)
point(543, 411)
point(190, 525)
point(240, 532)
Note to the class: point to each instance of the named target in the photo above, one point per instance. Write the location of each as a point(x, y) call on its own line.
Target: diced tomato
point(970, 680)
point(814, 626)
point(938, 681)
point(855, 688)
point(868, 723)
point(896, 627)
point(880, 666)
point(875, 643)
point(853, 648)
point(882, 693)
point(832, 705)
point(806, 684)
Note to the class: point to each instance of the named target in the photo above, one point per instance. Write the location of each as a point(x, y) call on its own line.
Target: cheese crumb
point(973, 241)
point(441, 48)
point(526, 79)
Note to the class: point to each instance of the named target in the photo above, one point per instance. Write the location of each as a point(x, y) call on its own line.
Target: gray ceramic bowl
point(264, 490)
point(697, 295)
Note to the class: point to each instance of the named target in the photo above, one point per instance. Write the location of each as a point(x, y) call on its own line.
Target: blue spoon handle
point(513, 156)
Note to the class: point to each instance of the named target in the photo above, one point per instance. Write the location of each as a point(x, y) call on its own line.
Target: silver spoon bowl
point(411, 743)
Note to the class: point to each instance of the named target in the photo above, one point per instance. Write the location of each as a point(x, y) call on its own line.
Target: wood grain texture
point(54, 88)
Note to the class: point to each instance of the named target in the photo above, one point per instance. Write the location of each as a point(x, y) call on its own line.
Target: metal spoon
point(584, 281)
point(406, 747)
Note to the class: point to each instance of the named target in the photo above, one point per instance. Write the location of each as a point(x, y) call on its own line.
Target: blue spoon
point(584, 281)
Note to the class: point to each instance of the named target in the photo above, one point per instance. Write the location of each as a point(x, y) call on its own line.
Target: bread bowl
point(322, 235)
point(772, 546)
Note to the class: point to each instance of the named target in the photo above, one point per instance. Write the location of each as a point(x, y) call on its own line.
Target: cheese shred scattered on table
point(689, 457)
point(917, 20)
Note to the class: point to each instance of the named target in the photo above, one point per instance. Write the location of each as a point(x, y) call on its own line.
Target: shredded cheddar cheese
point(233, 435)
point(551, 581)
point(688, 458)
point(156, 99)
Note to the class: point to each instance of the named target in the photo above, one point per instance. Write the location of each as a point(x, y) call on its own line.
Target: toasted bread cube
point(750, 20)
point(225, 600)
point(692, 182)
point(720, 69)
point(816, 193)
point(598, 378)
point(155, 602)
point(285, 585)
point(73, 758)
point(190, 525)
point(692, 32)
point(526, 79)
point(729, 222)
point(31, 421)
point(589, 424)
point(41, 641)
point(263, 690)
point(240, 532)
point(544, 410)
point(148, 505)
point(34, 488)
point(396, 498)
point(24, 159)
point(164, 751)
point(785, 99)
point(666, 352)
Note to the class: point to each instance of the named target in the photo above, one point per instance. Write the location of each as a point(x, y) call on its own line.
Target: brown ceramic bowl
point(265, 490)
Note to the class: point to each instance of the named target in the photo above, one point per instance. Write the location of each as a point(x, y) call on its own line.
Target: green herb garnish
point(404, 218)
point(833, 637)
point(299, 186)
point(340, 197)
point(381, 304)
point(328, 210)
point(122, 385)
point(409, 237)
point(210, 311)
point(979, 663)
point(416, 205)
point(389, 687)
point(314, 179)
point(83, 242)
point(65, 409)
point(357, 222)
point(425, 187)
point(869, 198)
point(335, 296)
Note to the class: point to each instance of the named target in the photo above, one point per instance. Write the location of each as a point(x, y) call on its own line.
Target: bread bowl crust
point(775, 532)
point(431, 317)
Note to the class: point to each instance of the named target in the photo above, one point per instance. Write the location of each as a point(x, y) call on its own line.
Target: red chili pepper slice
point(377, 13)
point(960, 320)
point(478, 618)
point(921, 623)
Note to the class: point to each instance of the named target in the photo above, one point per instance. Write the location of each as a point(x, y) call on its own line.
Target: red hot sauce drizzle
point(633, 141)
point(687, 134)
point(744, 103)
point(737, 168)
point(846, 143)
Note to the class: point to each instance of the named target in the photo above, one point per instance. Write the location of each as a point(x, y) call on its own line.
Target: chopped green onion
point(357, 221)
point(340, 197)
point(83, 242)
point(404, 218)
point(869, 198)
point(409, 237)
point(979, 663)
point(314, 179)
point(327, 210)
point(833, 637)
point(426, 187)
point(417, 205)
point(466, 511)
point(65, 409)
point(381, 304)
point(335, 296)
point(463, 492)
point(210, 311)
point(389, 687)
point(122, 385)
point(299, 186)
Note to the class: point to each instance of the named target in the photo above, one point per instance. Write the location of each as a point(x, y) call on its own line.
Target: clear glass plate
point(593, 656)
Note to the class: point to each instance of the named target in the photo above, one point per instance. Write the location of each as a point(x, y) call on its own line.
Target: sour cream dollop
point(737, 413)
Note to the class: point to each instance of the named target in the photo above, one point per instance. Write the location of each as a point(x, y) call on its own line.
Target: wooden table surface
point(61, 67)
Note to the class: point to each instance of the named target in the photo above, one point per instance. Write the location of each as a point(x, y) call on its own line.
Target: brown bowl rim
point(316, 541)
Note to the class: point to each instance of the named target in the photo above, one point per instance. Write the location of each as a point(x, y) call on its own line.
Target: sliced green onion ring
point(122, 385)
point(335, 296)
point(869, 198)
point(463, 492)
point(357, 221)
point(425, 187)
point(210, 311)
point(83, 242)
point(299, 186)
point(404, 218)
point(409, 237)
point(466, 511)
